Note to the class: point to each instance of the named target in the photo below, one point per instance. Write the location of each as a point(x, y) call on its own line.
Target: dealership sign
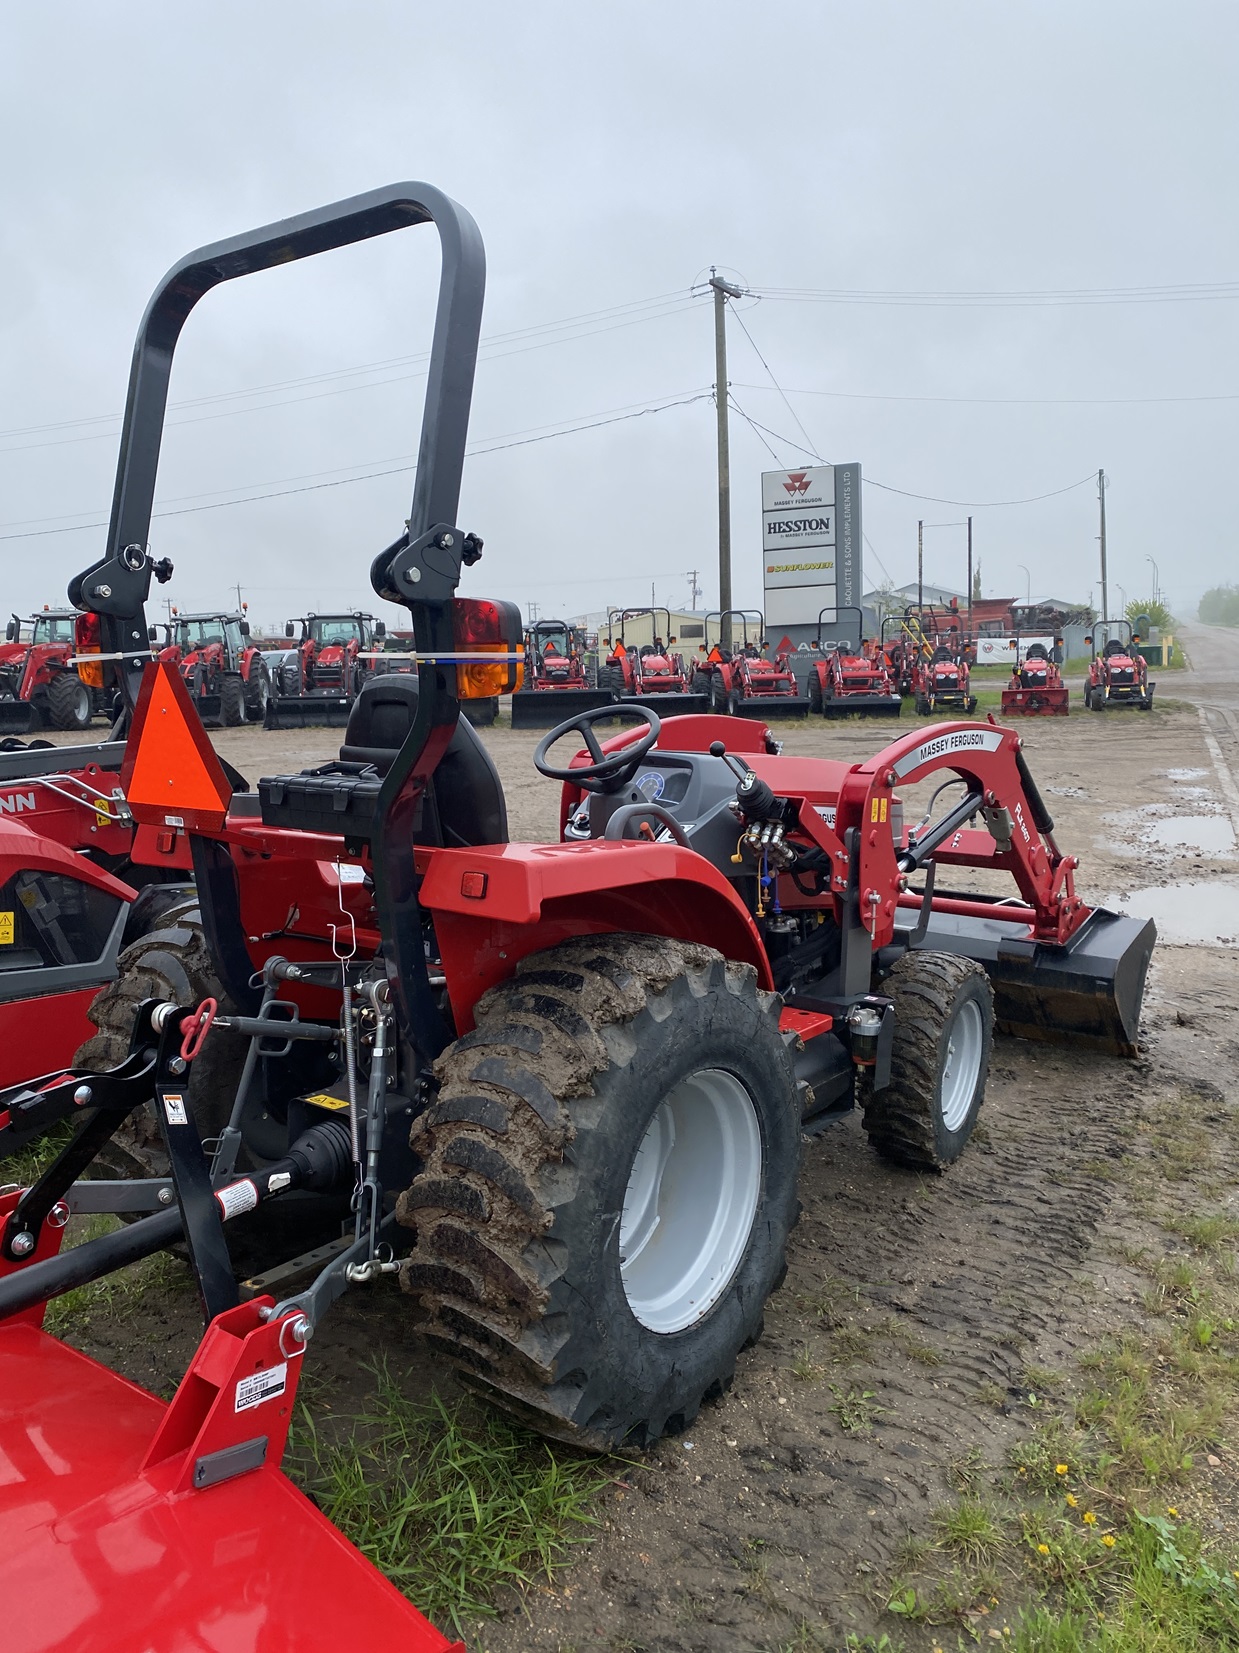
point(810, 544)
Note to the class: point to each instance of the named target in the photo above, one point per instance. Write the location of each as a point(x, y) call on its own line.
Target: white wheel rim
point(962, 1064)
point(691, 1199)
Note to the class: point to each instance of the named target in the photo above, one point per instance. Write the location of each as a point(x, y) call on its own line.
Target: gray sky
point(610, 155)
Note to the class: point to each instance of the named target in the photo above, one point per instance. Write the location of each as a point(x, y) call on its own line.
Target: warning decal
point(252, 1391)
point(6, 929)
point(174, 1108)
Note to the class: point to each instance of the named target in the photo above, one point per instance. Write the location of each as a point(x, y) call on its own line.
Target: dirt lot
point(916, 1312)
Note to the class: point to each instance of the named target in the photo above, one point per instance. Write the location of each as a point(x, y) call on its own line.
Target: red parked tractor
point(941, 681)
point(1118, 674)
point(1036, 688)
point(558, 677)
point(853, 676)
point(578, 1073)
point(738, 678)
point(644, 672)
point(40, 685)
point(225, 673)
point(319, 684)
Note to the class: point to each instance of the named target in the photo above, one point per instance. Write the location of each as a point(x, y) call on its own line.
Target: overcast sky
point(610, 156)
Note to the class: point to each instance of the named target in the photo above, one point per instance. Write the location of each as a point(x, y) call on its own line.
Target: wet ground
point(914, 1307)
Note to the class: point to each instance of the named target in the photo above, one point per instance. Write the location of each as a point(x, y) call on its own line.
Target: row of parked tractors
point(919, 656)
point(52, 672)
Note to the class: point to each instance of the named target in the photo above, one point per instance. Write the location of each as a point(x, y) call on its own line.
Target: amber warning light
point(481, 628)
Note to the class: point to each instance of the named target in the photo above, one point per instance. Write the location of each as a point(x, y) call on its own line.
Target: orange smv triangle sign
point(171, 774)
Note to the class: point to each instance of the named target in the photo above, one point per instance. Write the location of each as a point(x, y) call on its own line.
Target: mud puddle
point(1185, 913)
point(1210, 834)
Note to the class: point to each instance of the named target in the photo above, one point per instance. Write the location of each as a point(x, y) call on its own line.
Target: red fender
point(494, 905)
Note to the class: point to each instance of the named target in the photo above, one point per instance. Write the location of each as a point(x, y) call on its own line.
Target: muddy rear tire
point(944, 1029)
point(608, 1183)
point(68, 702)
point(170, 962)
point(232, 700)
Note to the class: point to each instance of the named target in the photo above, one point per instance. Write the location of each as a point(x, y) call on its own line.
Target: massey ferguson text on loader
point(578, 1072)
point(851, 676)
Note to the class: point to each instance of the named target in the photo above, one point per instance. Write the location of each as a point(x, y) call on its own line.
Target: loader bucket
point(868, 705)
point(308, 711)
point(1034, 703)
point(481, 713)
point(669, 705)
point(18, 717)
point(1086, 994)
point(544, 708)
point(767, 706)
point(128, 1523)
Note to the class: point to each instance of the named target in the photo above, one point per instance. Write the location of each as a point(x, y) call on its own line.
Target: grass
point(454, 1503)
point(855, 1409)
point(1093, 1540)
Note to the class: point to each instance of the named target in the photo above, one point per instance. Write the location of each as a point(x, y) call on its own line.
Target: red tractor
point(40, 684)
point(853, 676)
point(558, 676)
point(647, 671)
point(559, 1089)
point(941, 680)
point(319, 683)
point(226, 675)
point(738, 678)
point(1036, 688)
point(1118, 674)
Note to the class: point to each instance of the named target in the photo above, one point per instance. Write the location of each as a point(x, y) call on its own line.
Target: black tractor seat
point(464, 804)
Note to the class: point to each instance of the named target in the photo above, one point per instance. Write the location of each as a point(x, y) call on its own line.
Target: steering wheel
point(609, 771)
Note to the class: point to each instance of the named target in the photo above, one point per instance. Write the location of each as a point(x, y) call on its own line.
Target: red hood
point(11, 653)
point(330, 654)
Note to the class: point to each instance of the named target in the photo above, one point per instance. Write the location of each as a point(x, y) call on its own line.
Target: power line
point(494, 445)
point(518, 340)
point(1009, 401)
point(1173, 293)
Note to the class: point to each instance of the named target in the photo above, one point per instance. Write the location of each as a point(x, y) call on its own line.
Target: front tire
point(258, 694)
point(608, 1183)
point(944, 1030)
point(68, 702)
point(232, 700)
point(815, 694)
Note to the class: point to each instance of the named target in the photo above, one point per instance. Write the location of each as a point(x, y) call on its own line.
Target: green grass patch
point(453, 1503)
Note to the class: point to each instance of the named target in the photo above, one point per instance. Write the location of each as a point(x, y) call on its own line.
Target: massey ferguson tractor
point(558, 1089)
point(647, 672)
point(225, 673)
point(40, 685)
point(557, 677)
point(738, 678)
point(850, 677)
point(1036, 688)
point(319, 683)
point(1118, 674)
point(941, 681)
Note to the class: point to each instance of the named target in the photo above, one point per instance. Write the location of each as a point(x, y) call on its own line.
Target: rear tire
point(733, 703)
point(944, 1030)
point(171, 962)
point(553, 1145)
point(68, 702)
point(922, 706)
point(257, 694)
point(815, 693)
point(232, 700)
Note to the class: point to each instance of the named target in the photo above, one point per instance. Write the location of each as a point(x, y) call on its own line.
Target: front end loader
point(558, 1089)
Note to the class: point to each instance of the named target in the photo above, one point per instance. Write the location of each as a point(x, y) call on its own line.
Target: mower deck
point(99, 1553)
point(1034, 703)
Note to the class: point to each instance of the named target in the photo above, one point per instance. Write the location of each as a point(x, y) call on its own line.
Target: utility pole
point(533, 611)
point(920, 569)
point(1101, 495)
point(696, 590)
point(723, 290)
point(970, 631)
point(240, 605)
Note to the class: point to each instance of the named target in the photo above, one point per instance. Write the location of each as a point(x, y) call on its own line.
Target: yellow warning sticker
point(877, 810)
point(102, 818)
point(323, 1101)
point(6, 929)
point(882, 816)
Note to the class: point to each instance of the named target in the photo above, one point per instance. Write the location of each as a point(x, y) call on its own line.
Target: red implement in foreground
point(174, 1527)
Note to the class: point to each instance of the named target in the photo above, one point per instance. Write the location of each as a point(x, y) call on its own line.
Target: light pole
point(1027, 584)
point(1156, 597)
point(1123, 597)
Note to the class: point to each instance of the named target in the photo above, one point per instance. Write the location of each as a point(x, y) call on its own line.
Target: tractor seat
point(1115, 647)
point(942, 653)
point(341, 797)
point(1036, 651)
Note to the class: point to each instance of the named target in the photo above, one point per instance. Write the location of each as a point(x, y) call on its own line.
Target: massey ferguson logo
point(797, 482)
